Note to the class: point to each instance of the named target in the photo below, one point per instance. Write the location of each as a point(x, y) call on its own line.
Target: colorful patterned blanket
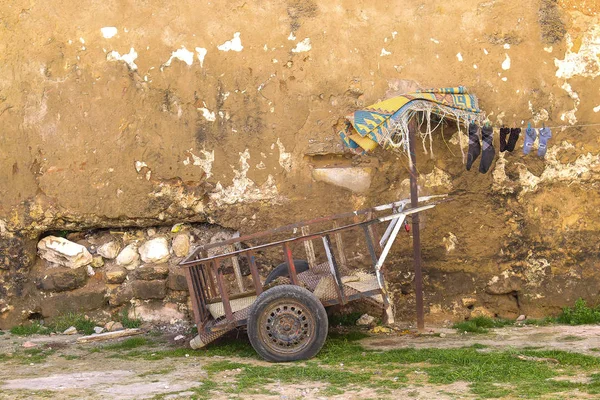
point(386, 123)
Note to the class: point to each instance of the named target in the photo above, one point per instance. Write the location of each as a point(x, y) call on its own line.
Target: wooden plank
point(309, 248)
point(340, 245)
point(254, 271)
point(236, 269)
point(109, 335)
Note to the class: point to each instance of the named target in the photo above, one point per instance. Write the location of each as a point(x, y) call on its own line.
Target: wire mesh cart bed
point(285, 311)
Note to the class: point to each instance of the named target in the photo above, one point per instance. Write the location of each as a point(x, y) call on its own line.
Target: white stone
point(355, 179)
point(179, 337)
point(129, 255)
point(113, 326)
point(181, 245)
point(70, 331)
point(109, 250)
point(521, 318)
point(234, 44)
point(98, 329)
point(63, 252)
point(108, 31)
point(366, 320)
point(155, 250)
point(302, 46)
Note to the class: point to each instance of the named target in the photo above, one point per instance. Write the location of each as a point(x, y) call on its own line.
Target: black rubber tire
point(282, 270)
point(287, 323)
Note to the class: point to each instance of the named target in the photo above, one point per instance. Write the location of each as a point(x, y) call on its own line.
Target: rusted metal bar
point(339, 245)
point(309, 248)
point(193, 295)
point(296, 225)
point(197, 283)
point(222, 291)
point(254, 271)
point(290, 262)
point(373, 232)
point(414, 201)
point(211, 277)
point(309, 237)
point(339, 288)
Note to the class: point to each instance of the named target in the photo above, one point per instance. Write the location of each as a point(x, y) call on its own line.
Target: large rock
point(87, 298)
point(157, 312)
point(115, 274)
point(63, 252)
point(61, 278)
point(155, 251)
point(110, 249)
point(149, 272)
point(129, 256)
point(177, 280)
point(146, 290)
point(121, 295)
point(181, 245)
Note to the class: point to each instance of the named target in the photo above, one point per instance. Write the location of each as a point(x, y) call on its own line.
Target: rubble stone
point(146, 290)
point(148, 272)
point(109, 250)
point(63, 252)
point(181, 245)
point(61, 278)
point(129, 256)
point(155, 250)
point(115, 274)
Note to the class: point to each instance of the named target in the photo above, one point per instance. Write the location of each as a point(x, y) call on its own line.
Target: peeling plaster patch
point(450, 242)
point(139, 165)
point(580, 170)
point(128, 58)
point(486, 52)
point(234, 44)
point(384, 52)
point(201, 53)
point(506, 46)
point(459, 56)
point(4, 233)
point(394, 34)
point(570, 115)
point(206, 162)
point(541, 115)
point(292, 36)
point(108, 31)
point(596, 109)
point(506, 62)
point(182, 54)
point(242, 189)
point(434, 40)
point(501, 183)
point(261, 165)
point(536, 269)
point(285, 159)
point(209, 116)
point(355, 179)
point(548, 49)
point(585, 62)
point(303, 46)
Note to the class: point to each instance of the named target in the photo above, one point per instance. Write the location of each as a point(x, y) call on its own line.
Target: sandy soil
point(74, 371)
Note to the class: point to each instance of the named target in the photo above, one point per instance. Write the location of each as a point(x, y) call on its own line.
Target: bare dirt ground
point(155, 366)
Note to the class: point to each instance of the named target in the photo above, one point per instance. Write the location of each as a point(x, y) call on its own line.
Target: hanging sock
point(474, 145)
point(530, 136)
point(545, 135)
point(487, 156)
point(503, 133)
point(512, 139)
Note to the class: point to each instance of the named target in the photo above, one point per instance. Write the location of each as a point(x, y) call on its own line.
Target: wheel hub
point(287, 327)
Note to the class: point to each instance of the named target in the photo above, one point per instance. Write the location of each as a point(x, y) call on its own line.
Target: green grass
point(128, 344)
point(579, 314)
point(78, 320)
point(128, 322)
point(481, 324)
point(34, 328)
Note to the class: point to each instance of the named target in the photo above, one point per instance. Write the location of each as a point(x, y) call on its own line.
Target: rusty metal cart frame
point(205, 274)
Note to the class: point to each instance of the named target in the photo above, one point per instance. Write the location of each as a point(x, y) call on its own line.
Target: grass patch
point(34, 356)
point(539, 322)
point(481, 324)
point(579, 314)
point(79, 321)
point(128, 344)
point(128, 322)
point(163, 371)
point(34, 328)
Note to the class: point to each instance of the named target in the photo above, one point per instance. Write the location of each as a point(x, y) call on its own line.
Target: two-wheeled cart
point(285, 311)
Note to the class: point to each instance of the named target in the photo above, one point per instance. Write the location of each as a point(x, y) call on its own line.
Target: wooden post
point(414, 202)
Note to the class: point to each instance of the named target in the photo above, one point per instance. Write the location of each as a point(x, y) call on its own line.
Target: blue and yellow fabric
point(367, 128)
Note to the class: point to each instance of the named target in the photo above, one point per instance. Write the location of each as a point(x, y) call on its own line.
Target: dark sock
point(545, 135)
point(513, 138)
point(488, 153)
point(503, 133)
point(474, 145)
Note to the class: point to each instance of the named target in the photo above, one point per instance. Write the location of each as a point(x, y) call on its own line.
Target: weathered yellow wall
point(89, 140)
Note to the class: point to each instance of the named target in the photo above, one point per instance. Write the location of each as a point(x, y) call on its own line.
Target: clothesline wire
point(553, 127)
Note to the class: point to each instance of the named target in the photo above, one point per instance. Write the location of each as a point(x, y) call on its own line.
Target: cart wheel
point(282, 270)
point(287, 323)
